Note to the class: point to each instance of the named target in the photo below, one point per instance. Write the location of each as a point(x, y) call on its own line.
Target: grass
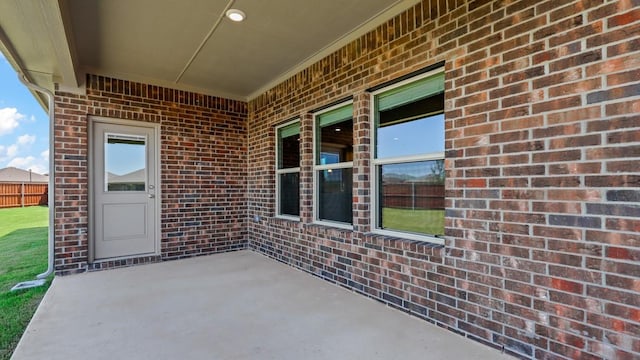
point(23, 255)
point(417, 221)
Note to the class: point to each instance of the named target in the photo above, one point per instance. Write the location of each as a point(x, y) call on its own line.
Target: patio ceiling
point(188, 45)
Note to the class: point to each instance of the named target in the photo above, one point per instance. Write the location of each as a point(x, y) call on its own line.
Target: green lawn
point(23, 255)
point(417, 221)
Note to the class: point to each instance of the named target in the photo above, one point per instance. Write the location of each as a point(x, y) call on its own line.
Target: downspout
point(41, 278)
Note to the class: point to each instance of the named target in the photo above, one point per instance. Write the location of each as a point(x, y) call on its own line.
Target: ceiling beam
point(56, 19)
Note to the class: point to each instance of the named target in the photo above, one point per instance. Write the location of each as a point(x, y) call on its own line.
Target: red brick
point(584, 113)
point(575, 88)
point(612, 36)
point(472, 183)
point(576, 34)
point(614, 65)
point(597, 291)
point(557, 104)
point(624, 19)
point(522, 123)
point(625, 47)
point(623, 253)
point(626, 283)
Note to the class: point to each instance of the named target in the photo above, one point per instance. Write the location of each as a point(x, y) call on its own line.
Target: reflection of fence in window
point(133, 181)
point(414, 196)
point(126, 186)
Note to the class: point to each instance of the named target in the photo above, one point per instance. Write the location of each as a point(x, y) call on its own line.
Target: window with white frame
point(333, 164)
point(288, 169)
point(408, 157)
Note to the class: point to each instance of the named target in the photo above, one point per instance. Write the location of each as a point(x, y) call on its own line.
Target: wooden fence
point(417, 196)
point(22, 194)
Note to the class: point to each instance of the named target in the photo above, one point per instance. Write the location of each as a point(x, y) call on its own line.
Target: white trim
point(375, 163)
point(91, 188)
point(278, 172)
point(408, 159)
point(335, 224)
point(341, 165)
point(288, 217)
point(410, 236)
point(315, 196)
point(288, 170)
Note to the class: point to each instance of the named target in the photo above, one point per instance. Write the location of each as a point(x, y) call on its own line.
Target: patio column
point(306, 168)
point(361, 162)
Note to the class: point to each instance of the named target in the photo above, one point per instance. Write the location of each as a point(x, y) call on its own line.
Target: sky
point(423, 136)
point(24, 125)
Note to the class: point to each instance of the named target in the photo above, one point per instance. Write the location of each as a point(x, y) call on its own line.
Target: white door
point(124, 189)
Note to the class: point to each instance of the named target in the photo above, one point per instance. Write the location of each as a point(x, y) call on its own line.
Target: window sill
point(288, 217)
point(339, 225)
point(409, 236)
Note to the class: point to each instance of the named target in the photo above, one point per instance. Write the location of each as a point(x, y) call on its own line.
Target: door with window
point(125, 189)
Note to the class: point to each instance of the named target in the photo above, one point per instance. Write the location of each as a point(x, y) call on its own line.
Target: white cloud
point(9, 120)
point(30, 162)
point(26, 139)
point(12, 151)
point(18, 155)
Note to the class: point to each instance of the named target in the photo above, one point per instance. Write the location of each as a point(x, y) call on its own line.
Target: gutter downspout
point(41, 278)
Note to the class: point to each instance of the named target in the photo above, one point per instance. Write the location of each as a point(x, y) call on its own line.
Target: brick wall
point(203, 169)
point(542, 164)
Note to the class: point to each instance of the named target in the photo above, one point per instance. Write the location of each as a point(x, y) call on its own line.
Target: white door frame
point(91, 178)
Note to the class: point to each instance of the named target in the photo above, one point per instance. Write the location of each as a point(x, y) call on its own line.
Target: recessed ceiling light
point(338, 129)
point(236, 15)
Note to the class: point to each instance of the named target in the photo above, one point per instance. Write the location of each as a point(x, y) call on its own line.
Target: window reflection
point(125, 163)
point(288, 172)
point(336, 188)
point(289, 193)
point(419, 136)
point(412, 197)
point(336, 143)
point(289, 152)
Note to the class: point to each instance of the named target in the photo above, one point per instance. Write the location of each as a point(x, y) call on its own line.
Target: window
point(333, 164)
point(288, 169)
point(125, 162)
point(409, 157)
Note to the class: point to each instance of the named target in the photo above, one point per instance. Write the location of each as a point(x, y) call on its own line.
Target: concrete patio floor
point(238, 305)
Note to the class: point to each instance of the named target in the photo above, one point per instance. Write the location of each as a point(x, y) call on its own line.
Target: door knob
point(151, 196)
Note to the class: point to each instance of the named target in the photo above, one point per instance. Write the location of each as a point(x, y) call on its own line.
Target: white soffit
point(34, 41)
point(186, 45)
